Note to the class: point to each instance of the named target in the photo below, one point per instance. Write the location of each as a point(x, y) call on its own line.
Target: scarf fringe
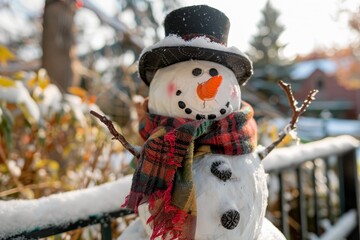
point(136, 200)
point(163, 226)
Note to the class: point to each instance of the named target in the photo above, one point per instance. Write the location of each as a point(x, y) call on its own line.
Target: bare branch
point(308, 100)
point(295, 117)
point(116, 134)
point(116, 24)
point(288, 91)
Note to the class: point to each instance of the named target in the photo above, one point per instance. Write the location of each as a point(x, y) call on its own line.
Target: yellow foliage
point(274, 133)
point(19, 75)
point(92, 99)
point(5, 55)
point(83, 94)
point(3, 168)
point(25, 110)
point(271, 133)
point(67, 149)
point(31, 83)
point(42, 163)
point(41, 79)
point(78, 91)
point(6, 82)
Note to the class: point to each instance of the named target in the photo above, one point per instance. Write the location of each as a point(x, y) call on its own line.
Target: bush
point(48, 140)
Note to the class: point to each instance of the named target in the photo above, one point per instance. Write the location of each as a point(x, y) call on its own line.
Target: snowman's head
point(194, 89)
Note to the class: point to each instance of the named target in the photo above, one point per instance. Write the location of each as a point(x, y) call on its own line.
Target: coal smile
point(182, 105)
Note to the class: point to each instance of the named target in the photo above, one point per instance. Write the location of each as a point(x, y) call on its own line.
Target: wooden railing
point(317, 189)
point(104, 220)
point(321, 202)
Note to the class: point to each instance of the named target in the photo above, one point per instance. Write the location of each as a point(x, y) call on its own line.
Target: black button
point(230, 219)
point(222, 111)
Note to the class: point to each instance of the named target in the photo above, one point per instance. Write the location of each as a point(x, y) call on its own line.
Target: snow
point(13, 168)
point(24, 215)
point(291, 156)
point(51, 99)
point(19, 94)
point(201, 42)
point(342, 228)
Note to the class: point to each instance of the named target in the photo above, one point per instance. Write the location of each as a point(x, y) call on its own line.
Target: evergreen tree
point(265, 44)
point(265, 52)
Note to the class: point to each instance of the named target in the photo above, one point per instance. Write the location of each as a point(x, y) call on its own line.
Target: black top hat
point(196, 32)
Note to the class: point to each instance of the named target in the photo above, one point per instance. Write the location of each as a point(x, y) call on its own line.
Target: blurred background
point(61, 58)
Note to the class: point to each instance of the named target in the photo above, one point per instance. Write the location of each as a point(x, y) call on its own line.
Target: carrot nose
point(208, 90)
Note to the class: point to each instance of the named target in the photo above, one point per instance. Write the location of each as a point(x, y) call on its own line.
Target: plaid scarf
point(163, 176)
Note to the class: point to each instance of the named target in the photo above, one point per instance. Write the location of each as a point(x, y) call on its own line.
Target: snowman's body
point(230, 208)
point(231, 191)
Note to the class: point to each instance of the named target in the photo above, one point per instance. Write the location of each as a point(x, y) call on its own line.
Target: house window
point(319, 84)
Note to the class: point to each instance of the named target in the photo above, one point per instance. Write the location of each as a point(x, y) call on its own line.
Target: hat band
point(191, 36)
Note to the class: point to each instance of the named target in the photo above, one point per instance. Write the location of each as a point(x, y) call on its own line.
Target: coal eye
point(196, 71)
point(213, 72)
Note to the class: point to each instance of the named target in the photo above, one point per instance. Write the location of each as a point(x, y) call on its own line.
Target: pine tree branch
point(297, 111)
point(116, 134)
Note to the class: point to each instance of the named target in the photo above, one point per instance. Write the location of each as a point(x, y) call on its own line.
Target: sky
point(309, 24)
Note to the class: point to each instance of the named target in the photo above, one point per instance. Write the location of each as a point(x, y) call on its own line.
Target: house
point(337, 78)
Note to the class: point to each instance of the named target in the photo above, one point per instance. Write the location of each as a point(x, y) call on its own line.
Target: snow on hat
point(194, 33)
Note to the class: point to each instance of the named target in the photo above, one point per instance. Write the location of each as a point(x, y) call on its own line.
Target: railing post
point(349, 195)
point(302, 205)
point(316, 200)
point(329, 202)
point(283, 208)
point(106, 232)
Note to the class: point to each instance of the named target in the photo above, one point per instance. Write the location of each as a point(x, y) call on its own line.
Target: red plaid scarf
point(163, 176)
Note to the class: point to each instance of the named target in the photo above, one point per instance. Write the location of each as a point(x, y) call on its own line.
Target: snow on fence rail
point(19, 216)
point(343, 227)
point(292, 156)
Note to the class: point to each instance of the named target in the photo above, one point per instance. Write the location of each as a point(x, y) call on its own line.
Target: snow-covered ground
point(21, 215)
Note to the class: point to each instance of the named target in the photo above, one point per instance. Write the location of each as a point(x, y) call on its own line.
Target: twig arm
point(116, 134)
point(297, 111)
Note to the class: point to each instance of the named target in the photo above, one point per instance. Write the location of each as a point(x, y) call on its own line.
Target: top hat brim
point(162, 55)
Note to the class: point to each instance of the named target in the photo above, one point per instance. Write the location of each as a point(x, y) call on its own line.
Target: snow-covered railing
point(314, 183)
point(32, 219)
point(47, 216)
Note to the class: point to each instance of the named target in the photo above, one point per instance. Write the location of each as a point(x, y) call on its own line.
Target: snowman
point(199, 175)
